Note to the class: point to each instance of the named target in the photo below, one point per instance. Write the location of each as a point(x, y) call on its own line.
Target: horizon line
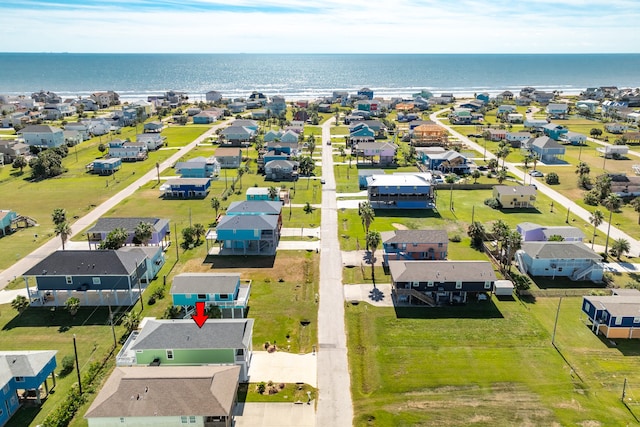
point(317, 53)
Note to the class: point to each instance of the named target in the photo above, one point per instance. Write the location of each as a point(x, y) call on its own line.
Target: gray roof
point(98, 262)
point(620, 304)
point(187, 181)
point(168, 391)
point(105, 225)
point(40, 129)
point(185, 334)
point(527, 190)
point(376, 146)
point(441, 271)
point(415, 236)
point(559, 250)
point(268, 207)
point(205, 283)
point(545, 142)
point(248, 222)
point(369, 172)
point(23, 363)
point(281, 163)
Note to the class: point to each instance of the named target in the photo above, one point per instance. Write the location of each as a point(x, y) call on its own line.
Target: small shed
point(504, 288)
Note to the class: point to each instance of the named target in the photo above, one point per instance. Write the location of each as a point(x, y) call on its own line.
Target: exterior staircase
point(418, 295)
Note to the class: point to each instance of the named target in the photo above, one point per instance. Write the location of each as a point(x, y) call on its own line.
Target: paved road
point(335, 407)
point(554, 195)
point(18, 269)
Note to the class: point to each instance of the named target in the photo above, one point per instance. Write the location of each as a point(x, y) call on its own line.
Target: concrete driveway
point(379, 296)
point(275, 415)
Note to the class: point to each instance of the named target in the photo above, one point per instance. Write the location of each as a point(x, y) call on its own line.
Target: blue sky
point(320, 26)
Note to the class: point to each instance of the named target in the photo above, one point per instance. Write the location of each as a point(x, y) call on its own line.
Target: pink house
point(414, 245)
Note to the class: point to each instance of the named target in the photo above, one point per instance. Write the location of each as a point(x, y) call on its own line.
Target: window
point(192, 419)
point(458, 285)
point(487, 285)
point(430, 284)
point(202, 296)
point(170, 354)
point(183, 419)
point(587, 306)
point(96, 280)
point(617, 321)
point(121, 420)
point(224, 296)
point(240, 352)
point(19, 379)
point(636, 320)
point(415, 284)
point(69, 280)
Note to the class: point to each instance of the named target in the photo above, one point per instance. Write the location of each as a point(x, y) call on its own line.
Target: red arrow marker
point(199, 317)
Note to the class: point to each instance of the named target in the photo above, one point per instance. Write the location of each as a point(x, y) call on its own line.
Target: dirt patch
point(289, 267)
point(590, 423)
point(400, 226)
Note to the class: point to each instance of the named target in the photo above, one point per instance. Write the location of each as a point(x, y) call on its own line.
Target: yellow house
point(515, 196)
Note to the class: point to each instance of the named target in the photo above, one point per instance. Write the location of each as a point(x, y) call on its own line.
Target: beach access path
point(20, 267)
point(575, 209)
point(335, 407)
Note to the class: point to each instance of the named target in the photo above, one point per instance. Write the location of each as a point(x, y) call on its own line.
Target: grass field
point(488, 364)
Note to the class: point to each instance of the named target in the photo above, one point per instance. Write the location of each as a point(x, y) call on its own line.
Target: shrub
point(67, 365)
point(492, 203)
point(455, 238)
point(261, 387)
point(151, 300)
point(591, 198)
point(552, 178)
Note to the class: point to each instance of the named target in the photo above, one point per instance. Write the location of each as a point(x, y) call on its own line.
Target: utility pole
point(555, 324)
point(75, 351)
point(624, 390)
point(113, 329)
point(175, 231)
point(567, 220)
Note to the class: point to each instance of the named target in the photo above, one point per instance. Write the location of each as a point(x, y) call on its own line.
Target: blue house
point(22, 373)
point(96, 278)
point(557, 111)
point(484, 97)
point(560, 259)
point(365, 92)
point(361, 133)
point(554, 131)
point(436, 158)
point(186, 188)
point(261, 193)
point(223, 290)
point(547, 149)
point(198, 167)
point(105, 166)
point(473, 105)
point(43, 136)
point(616, 315)
point(363, 174)
point(289, 147)
point(6, 218)
point(248, 234)
point(402, 191)
point(237, 134)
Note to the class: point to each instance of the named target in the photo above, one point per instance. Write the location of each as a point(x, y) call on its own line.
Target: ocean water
point(307, 76)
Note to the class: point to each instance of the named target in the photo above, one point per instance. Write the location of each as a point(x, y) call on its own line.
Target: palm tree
point(158, 171)
point(367, 215)
point(492, 164)
point(513, 242)
point(635, 203)
point(72, 304)
point(583, 169)
point(59, 216)
point(612, 203)
point(273, 193)
point(596, 218)
point(373, 241)
point(475, 175)
point(143, 232)
point(131, 320)
point(115, 239)
point(199, 231)
point(215, 204)
point(620, 247)
point(311, 144)
point(501, 176)
point(476, 232)
point(20, 304)
point(64, 231)
point(241, 172)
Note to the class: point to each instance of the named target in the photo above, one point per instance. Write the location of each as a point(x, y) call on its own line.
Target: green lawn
point(488, 363)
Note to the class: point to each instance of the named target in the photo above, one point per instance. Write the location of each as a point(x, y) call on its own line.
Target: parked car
point(536, 173)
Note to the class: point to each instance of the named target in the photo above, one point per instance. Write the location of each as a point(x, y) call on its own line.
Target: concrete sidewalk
point(274, 415)
point(7, 296)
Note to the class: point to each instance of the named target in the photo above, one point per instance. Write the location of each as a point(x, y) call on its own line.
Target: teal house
point(105, 166)
point(6, 218)
point(22, 373)
point(223, 290)
point(554, 131)
point(250, 227)
point(182, 342)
